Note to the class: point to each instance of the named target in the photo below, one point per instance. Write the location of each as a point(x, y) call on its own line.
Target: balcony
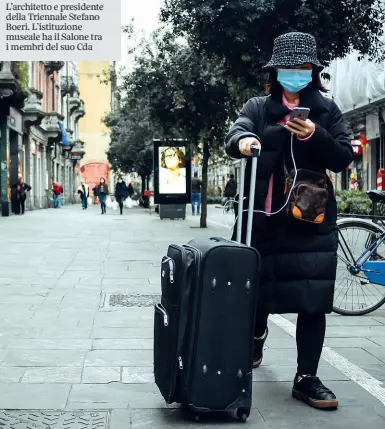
point(80, 111)
point(14, 82)
point(53, 66)
point(70, 135)
point(33, 112)
point(74, 102)
point(68, 86)
point(51, 126)
point(77, 151)
point(79, 143)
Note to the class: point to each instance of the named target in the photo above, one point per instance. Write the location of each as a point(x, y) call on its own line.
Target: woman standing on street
point(20, 195)
point(84, 192)
point(121, 193)
point(102, 192)
point(299, 259)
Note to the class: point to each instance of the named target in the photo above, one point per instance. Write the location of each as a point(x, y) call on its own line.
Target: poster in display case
point(172, 172)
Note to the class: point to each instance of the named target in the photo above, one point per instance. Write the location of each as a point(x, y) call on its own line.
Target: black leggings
point(310, 339)
point(120, 201)
point(20, 206)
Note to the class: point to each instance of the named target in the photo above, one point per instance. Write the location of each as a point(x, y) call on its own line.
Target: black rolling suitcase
point(203, 327)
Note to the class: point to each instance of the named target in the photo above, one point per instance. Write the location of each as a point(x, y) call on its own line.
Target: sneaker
point(258, 349)
point(309, 389)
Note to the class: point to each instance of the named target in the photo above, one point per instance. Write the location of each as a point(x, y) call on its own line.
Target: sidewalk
point(76, 296)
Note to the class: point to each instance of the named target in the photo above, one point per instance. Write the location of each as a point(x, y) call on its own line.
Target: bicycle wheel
point(226, 207)
point(354, 294)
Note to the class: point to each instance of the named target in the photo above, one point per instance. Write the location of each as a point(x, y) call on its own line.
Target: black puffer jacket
point(121, 191)
point(231, 188)
point(298, 259)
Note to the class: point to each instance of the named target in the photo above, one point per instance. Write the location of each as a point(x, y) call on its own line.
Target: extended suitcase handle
point(255, 151)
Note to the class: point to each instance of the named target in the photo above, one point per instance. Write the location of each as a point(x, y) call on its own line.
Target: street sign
point(76, 155)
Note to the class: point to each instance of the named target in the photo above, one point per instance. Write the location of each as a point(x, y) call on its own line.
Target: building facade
point(358, 88)
point(39, 117)
point(218, 174)
point(99, 99)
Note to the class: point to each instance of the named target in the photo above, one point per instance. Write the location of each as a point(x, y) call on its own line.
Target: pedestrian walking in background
point(196, 186)
point(95, 192)
point(230, 189)
point(84, 192)
point(121, 193)
point(57, 192)
point(19, 196)
point(102, 192)
point(299, 259)
point(130, 190)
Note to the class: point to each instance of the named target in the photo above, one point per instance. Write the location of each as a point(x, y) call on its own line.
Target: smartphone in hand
point(300, 112)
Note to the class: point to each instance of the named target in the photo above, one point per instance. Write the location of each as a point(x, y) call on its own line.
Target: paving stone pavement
point(71, 359)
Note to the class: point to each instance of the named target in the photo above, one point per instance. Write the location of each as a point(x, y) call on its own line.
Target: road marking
point(219, 223)
point(353, 372)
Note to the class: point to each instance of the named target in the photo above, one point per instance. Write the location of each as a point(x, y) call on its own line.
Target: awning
point(357, 84)
point(64, 137)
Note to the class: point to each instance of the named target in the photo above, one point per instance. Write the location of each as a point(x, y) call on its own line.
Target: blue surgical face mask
point(294, 80)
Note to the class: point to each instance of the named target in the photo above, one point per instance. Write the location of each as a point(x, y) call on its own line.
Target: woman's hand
point(245, 144)
point(300, 127)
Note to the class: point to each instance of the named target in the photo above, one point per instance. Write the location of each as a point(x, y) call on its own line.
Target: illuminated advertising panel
point(172, 172)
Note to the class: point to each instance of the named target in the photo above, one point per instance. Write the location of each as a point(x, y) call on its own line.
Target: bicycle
point(228, 206)
point(360, 280)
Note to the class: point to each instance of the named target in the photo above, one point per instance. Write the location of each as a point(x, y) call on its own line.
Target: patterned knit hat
point(292, 49)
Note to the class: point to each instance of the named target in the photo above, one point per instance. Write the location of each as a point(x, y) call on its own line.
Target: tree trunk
point(147, 182)
point(143, 178)
point(205, 164)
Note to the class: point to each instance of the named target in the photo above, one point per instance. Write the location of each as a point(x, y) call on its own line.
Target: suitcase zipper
point(182, 347)
point(171, 266)
point(161, 309)
point(176, 382)
point(196, 280)
point(180, 362)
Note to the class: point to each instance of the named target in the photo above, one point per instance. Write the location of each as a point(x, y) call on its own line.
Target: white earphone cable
point(291, 190)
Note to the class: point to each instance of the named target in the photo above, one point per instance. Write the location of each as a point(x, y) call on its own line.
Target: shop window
point(356, 174)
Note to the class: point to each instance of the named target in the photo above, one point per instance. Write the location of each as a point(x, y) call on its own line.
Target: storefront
point(37, 168)
point(356, 171)
point(380, 146)
point(15, 158)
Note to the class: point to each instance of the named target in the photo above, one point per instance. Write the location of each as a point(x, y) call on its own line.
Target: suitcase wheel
point(190, 414)
point(243, 414)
